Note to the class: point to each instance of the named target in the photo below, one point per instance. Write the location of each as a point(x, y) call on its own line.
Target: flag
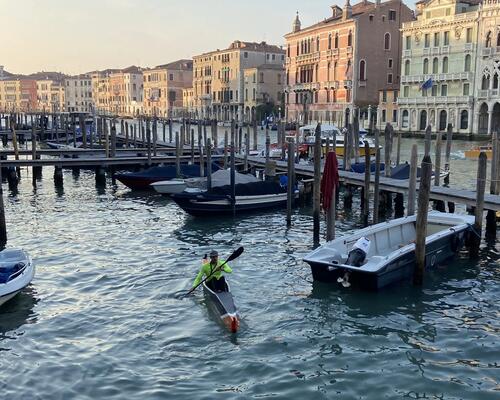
point(427, 84)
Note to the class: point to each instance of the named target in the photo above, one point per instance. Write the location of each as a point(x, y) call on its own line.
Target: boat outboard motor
point(357, 255)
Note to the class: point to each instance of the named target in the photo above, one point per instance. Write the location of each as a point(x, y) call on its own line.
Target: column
point(490, 120)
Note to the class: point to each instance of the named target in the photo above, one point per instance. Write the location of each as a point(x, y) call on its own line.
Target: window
point(279, 79)
point(427, 40)
point(445, 65)
point(384, 96)
point(171, 77)
point(434, 90)
point(468, 37)
point(330, 41)
point(389, 64)
point(488, 39)
point(466, 89)
point(436, 39)
point(467, 63)
point(389, 78)
point(336, 40)
point(392, 15)
point(394, 115)
point(464, 119)
point(498, 39)
point(395, 97)
point(387, 41)
point(405, 118)
point(406, 91)
point(435, 64)
point(446, 38)
point(371, 17)
point(383, 115)
point(349, 39)
point(245, 54)
point(261, 77)
point(407, 67)
point(444, 90)
point(362, 70)
point(408, 42)
point(327, 95)
point(426, 66)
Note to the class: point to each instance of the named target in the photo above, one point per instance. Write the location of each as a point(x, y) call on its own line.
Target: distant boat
point(16, 272)
point(249, 197)
point(143, 179)
point(474, 153)
point(391, 256)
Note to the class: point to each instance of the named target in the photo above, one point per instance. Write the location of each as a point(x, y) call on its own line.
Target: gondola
point(222, 303)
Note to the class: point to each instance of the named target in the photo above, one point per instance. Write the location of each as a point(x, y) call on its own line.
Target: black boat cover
point(250, 189)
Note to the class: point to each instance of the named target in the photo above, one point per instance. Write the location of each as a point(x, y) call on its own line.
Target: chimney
point(347, 14)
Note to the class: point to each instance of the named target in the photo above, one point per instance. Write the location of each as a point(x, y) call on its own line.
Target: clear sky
point(75, 36)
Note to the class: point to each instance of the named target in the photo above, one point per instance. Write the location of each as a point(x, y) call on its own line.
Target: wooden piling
point(480, 191)
point(209, 163)
point(317, 185)
point(387, 151)
point(491, 218)
point(247, 149)
point(449, 138)
point(178, 156)
point(366, 197)
point(226, 139)
point(58, 176)
point(291, 183)
point(3, 225)
point(170, 130)
point(421, 222)
point(113, 139)
point(83, 131)
point(233, 171)
point(255, 134)
point(427, 140)
point(192, 146)
point(106, 139)
point(398, 147)
point(438, 204)
point(376, 189)
point(412, 188)
point(100, 176)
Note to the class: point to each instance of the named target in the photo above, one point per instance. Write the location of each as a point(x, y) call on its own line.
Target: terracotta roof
point(54, 76)
point(178, 65)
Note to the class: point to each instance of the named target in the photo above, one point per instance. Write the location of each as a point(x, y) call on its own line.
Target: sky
point(76, 36)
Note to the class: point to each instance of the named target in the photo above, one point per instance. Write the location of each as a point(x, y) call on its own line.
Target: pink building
point(340, 64)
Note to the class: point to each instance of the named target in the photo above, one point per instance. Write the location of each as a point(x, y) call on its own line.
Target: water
point(101, 320)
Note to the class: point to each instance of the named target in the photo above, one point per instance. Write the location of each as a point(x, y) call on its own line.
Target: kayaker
point(213, 271)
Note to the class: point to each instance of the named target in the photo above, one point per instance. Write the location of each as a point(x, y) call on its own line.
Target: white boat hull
point(21, 279)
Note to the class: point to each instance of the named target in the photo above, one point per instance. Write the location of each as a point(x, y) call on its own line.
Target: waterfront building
point(188, 101)
point(126, 92)
point(439, 62)
point(342, 62)
point(163, 88)
point(487, 102)
point(219, 80)
point(18, 93)
point(50, 91)
point(101, 90)
point(78, 94)
point(387, 111)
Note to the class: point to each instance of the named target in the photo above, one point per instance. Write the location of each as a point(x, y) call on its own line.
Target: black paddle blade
point(236, 254)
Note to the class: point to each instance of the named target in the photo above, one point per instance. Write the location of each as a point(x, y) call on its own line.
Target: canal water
point(102, 319)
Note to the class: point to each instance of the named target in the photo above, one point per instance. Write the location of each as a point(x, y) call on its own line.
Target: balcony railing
point(434, 100)
point(488, 93)
point(332, 53)
point(426, 51)
point(469, 47)
point(406, 53)
point(348, 84)
point(349, 50)
point(303, 87)
point(311, 57)
point(331, 85)
point(487, 52)
point(453, 76)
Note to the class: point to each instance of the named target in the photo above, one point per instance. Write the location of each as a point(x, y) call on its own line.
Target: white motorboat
point(16, 272)
point(391, 255)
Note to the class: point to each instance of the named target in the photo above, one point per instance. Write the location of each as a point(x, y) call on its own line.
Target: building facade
point(163, 88)
point(388, 110)
point(78, 94)
point(18, 94)
point(340, 64)
point(126, 94)
point(439, 62)
point(219, 79)
point(487, 101)
point(50, 95)
point(188, 101)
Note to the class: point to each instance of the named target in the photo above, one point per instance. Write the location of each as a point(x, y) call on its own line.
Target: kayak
point(223, 305)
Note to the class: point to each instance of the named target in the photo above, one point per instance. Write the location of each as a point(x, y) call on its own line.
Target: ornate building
point(438, 66)
point(487, 113)
point(343, 62)
point(220, 76)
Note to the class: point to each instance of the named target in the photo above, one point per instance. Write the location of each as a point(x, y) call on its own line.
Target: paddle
point(232, 257)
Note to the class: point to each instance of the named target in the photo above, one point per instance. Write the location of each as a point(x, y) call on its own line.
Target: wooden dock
point(461, 196)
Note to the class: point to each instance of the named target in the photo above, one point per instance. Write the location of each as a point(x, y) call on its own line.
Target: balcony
point(453, 76)
point(469, 47)
point(487, 94)
point(347, 84)
point(349, 50)
point(407, 53)
point(331, 85)
point(362, 83)
point(426, 51)
point(308, 58)
point(435, 51)
point(305, 87)
point(445, 49)
point(332, 53)
point(434, 101)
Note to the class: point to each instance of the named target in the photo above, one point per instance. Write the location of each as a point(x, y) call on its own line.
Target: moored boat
point(222, 303)
point(474, 153)
point(391, 255)
point(16, 272)
point(248, 197)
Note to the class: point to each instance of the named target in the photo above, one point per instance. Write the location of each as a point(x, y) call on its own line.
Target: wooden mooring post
point(317, 186)
point(376, 189)
point(3, 225)
point(438, 204)
point(209, 163)
point(291, 183)
point(480, 191)
point(366, 188)
point(491, 218)
point(178, 157)
point(412, 188)
point(421, 223)
point(255, 134)
point(233, 170)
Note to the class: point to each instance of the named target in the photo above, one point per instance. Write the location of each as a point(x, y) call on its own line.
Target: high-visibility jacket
point(208, 269)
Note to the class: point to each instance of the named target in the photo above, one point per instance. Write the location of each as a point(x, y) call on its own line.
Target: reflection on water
point(17, 312)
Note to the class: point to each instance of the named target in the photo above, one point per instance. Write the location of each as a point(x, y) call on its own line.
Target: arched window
point(445, 65)
point(330, 41)
point(405, 119)
point(362, 70)
point(317, 43)
point(495, 81)
point(336, 40)
point(498, 39)
point(426, 66)
point(298, 48)
point(467, 63)
point(316, 74)
point(349, 39)
point(443, 116)
point(335, 71)
point(464, 119)
point(407, 67)
point(488, 39)
point(485, 84)
point(435, 65)
point(328, 71)
point(387, 41)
